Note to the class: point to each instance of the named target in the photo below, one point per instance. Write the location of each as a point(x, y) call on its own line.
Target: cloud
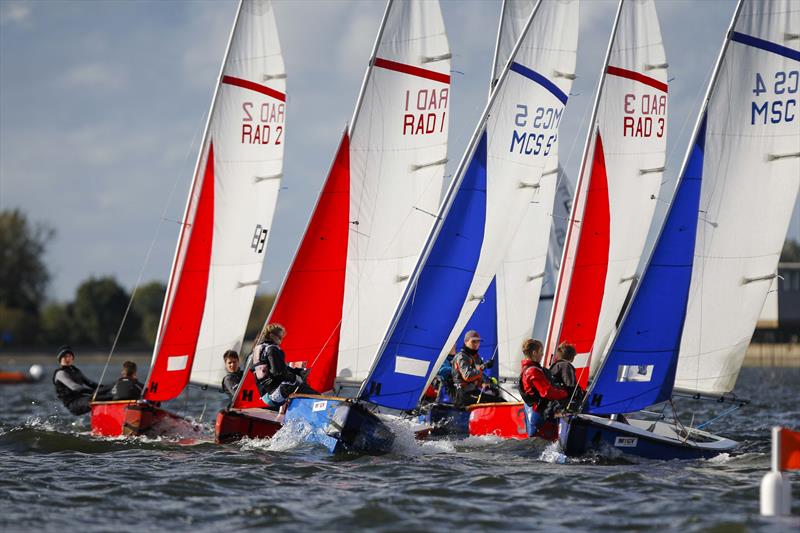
point(15, 13)
point(94, 76)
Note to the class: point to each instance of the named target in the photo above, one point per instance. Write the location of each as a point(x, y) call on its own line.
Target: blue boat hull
point(583, 434)
point(445, 420)
point(340, 424)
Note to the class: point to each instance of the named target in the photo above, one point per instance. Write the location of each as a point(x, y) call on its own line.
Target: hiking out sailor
point(231, 380)
point(127, 386)
point(274, 378)
point(563, 373)
point(536, 388)
point(73, 388)
point(471, 386)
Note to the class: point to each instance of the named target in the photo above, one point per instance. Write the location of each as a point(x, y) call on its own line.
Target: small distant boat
point(695, 309)
point(11, 377)
point(217, 265)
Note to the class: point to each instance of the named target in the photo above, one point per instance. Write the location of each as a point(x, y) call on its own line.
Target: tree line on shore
point(93, 317)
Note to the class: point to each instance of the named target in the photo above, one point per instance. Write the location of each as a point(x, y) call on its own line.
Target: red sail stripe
point(585, 296)
point(182, 325)
point(310, 303)
point(412, 70)
point(637, 76)
point(253, 86)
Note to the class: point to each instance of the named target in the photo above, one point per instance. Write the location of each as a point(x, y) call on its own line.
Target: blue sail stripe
point(768, 46)
point(534, 76)
point(650, 335)
point(428, 317)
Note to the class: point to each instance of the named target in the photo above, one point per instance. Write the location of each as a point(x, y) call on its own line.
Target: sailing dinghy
point(494, 182)
point(217, 265)
point(370, 221)
point(702, 290)
point(620, 175)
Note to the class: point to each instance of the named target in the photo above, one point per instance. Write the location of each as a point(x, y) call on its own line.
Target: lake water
point(54, 476)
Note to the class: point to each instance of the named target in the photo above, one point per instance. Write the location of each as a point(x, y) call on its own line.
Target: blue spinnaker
point(429, 315)
point(639, 370)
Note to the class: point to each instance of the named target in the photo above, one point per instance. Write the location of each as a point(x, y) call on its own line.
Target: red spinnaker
point(585, 296)
point(310, 303)
point(173, 364)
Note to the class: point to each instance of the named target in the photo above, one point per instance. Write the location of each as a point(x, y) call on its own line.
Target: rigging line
point(721, 415)
point(146, 261)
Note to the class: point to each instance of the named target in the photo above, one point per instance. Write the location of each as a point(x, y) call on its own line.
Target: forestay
point(398, 152)
point(220, 251)
point(621, 173)
point(493, 185)
point(751, 172)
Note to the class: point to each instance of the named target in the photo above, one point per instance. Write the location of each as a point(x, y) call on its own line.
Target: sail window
point(177, 362)
point(638, 373)
point(410, 366)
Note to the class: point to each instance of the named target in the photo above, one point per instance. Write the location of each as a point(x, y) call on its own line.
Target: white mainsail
point(621, 173)
point(398, 152)
point(751, 175)
point(221, 250)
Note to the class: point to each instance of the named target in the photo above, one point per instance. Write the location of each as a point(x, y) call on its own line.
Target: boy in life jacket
point(73, 388)
point(563, 373)
point(537, 390)
point(274, 378)
point(127, 387)
point(231, 380)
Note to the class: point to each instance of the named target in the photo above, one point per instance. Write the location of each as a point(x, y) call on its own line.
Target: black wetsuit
point(127, 389)
point(231, 381)
point(75, 390)
point(279, 380)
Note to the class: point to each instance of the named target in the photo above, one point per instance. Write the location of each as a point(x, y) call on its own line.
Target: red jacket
point(534, 379)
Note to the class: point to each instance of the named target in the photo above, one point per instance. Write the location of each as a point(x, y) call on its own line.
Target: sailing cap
point(63, 351)
point(471, 334)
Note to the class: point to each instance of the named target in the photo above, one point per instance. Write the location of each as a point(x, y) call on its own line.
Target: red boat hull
point(132, 418)
point(506, 420)
point(236, 424)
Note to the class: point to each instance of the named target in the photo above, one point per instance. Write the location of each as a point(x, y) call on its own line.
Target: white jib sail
point(751, 174)
point(398, 152)
point(247, 131)
point(516, 177)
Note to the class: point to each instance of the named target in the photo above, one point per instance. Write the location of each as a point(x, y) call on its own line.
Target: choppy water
point(55, 477)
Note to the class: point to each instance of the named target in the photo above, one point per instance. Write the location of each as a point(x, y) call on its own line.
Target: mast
point(370, 66)
point(497, 46)
point(693, 140)
point(591, 135)
point(197, 166)
point(447, 202)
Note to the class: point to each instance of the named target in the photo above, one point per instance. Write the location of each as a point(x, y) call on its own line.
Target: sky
point(102, 104)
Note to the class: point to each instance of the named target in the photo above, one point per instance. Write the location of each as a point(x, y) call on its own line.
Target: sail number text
point(644, 115)
point(781, 108)
point(529, 139)
point(425, 111)
point(262, 124)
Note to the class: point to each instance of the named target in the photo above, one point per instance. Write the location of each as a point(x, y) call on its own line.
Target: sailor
point(73, 388)
point(127, 386)
point(443, 382)
point(274, 378)
point(563, 373)
point(536, 387)
point(231, 381)
point(468, 379)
